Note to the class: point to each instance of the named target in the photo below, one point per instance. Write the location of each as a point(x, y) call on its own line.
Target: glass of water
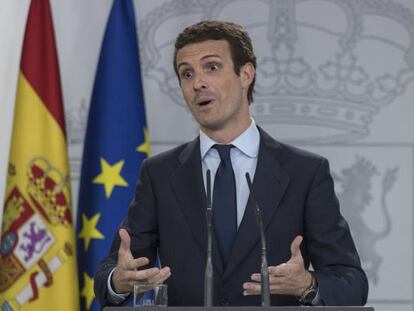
point(150, 295)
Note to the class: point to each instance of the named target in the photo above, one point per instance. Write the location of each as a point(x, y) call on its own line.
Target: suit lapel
point(187, 184)
point(269, 185)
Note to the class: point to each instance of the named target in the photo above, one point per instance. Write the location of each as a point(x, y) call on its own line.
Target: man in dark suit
point(215, 65)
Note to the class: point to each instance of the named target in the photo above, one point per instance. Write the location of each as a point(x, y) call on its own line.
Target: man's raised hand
point(126, 272)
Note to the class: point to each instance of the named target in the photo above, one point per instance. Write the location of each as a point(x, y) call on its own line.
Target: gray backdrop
point(334, 76)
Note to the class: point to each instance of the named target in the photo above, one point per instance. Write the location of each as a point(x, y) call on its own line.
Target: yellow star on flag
point(145, 146)
point(110, 176)
point(87, 290)
point(89, 230)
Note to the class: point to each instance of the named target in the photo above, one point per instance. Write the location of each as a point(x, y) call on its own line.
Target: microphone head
point(208, 186)
point(252, 197)
point(249, 181)
point(208, 177)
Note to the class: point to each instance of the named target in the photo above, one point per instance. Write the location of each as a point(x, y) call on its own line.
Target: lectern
point(240, 308)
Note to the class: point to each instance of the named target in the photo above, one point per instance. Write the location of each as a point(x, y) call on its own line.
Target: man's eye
point(214, 67)
point(187, 74)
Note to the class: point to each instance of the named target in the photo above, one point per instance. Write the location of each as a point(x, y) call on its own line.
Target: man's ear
point(247, 74)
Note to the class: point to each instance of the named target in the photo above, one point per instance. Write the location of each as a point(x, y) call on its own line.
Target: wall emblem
point(316, 75)
point(355, 197)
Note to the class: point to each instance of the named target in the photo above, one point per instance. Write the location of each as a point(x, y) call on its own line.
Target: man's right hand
point(126, 272)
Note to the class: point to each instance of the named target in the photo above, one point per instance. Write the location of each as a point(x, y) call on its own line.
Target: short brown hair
point(241, 47)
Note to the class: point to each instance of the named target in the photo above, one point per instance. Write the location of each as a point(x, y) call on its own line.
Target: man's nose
point(199, 82)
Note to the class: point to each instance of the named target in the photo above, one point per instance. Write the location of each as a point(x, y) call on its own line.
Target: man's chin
point(211, 126)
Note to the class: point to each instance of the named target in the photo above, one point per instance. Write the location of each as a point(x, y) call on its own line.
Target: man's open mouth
point(205, 102)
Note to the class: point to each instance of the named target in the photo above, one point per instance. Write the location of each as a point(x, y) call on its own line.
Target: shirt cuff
point(113, 297)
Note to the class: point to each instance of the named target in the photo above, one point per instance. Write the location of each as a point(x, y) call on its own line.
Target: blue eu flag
point(116, 143)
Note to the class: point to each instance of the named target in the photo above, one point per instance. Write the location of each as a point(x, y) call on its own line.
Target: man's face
point(215, 94)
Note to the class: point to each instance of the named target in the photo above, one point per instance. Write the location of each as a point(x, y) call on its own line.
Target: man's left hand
point(289, 278)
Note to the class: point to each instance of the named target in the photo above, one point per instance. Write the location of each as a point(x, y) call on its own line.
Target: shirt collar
point(247, 142)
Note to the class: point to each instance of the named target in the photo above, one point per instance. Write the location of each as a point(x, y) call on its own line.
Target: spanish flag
point(37, 258)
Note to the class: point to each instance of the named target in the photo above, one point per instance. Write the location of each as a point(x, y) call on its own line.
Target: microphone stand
point(208, 275)
point(264, 273)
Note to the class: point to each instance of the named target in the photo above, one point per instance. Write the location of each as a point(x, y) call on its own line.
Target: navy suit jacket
point(295, 191)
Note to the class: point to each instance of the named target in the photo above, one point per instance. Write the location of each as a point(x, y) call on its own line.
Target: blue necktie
point(224, 203)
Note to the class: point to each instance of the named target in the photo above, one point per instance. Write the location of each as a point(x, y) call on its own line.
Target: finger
point(151, 276)
point(273, 280)
point(165, 273)
point(256, 277)
point(159, 278)
point(251, 288)
point(276, 280)
point(125, 247)
point(134, 264)
point(279, 270)
point(142, 276)
point(295, 249)
point(276, 289)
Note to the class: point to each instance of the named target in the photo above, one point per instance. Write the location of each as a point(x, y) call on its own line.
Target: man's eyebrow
point(211, 55)
point(203, 58)
point(181, 64)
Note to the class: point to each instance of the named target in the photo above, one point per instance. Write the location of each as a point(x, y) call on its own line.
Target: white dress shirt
point(243, 159)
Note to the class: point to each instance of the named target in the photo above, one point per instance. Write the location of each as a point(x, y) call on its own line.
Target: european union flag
point(116, 143)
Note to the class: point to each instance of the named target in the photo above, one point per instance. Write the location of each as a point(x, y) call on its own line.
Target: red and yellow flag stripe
point(37, 258)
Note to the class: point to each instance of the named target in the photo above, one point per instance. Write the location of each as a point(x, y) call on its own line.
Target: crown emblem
point(333, 75)
point(48, 189)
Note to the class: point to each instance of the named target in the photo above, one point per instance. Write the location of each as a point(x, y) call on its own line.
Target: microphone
point(208, 275)
point(264, 273)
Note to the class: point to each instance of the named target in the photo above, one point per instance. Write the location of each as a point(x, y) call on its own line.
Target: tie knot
point(224, 151)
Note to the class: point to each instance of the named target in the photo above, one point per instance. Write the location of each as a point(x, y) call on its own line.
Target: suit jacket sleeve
point(330, 246)
point(144, 241)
